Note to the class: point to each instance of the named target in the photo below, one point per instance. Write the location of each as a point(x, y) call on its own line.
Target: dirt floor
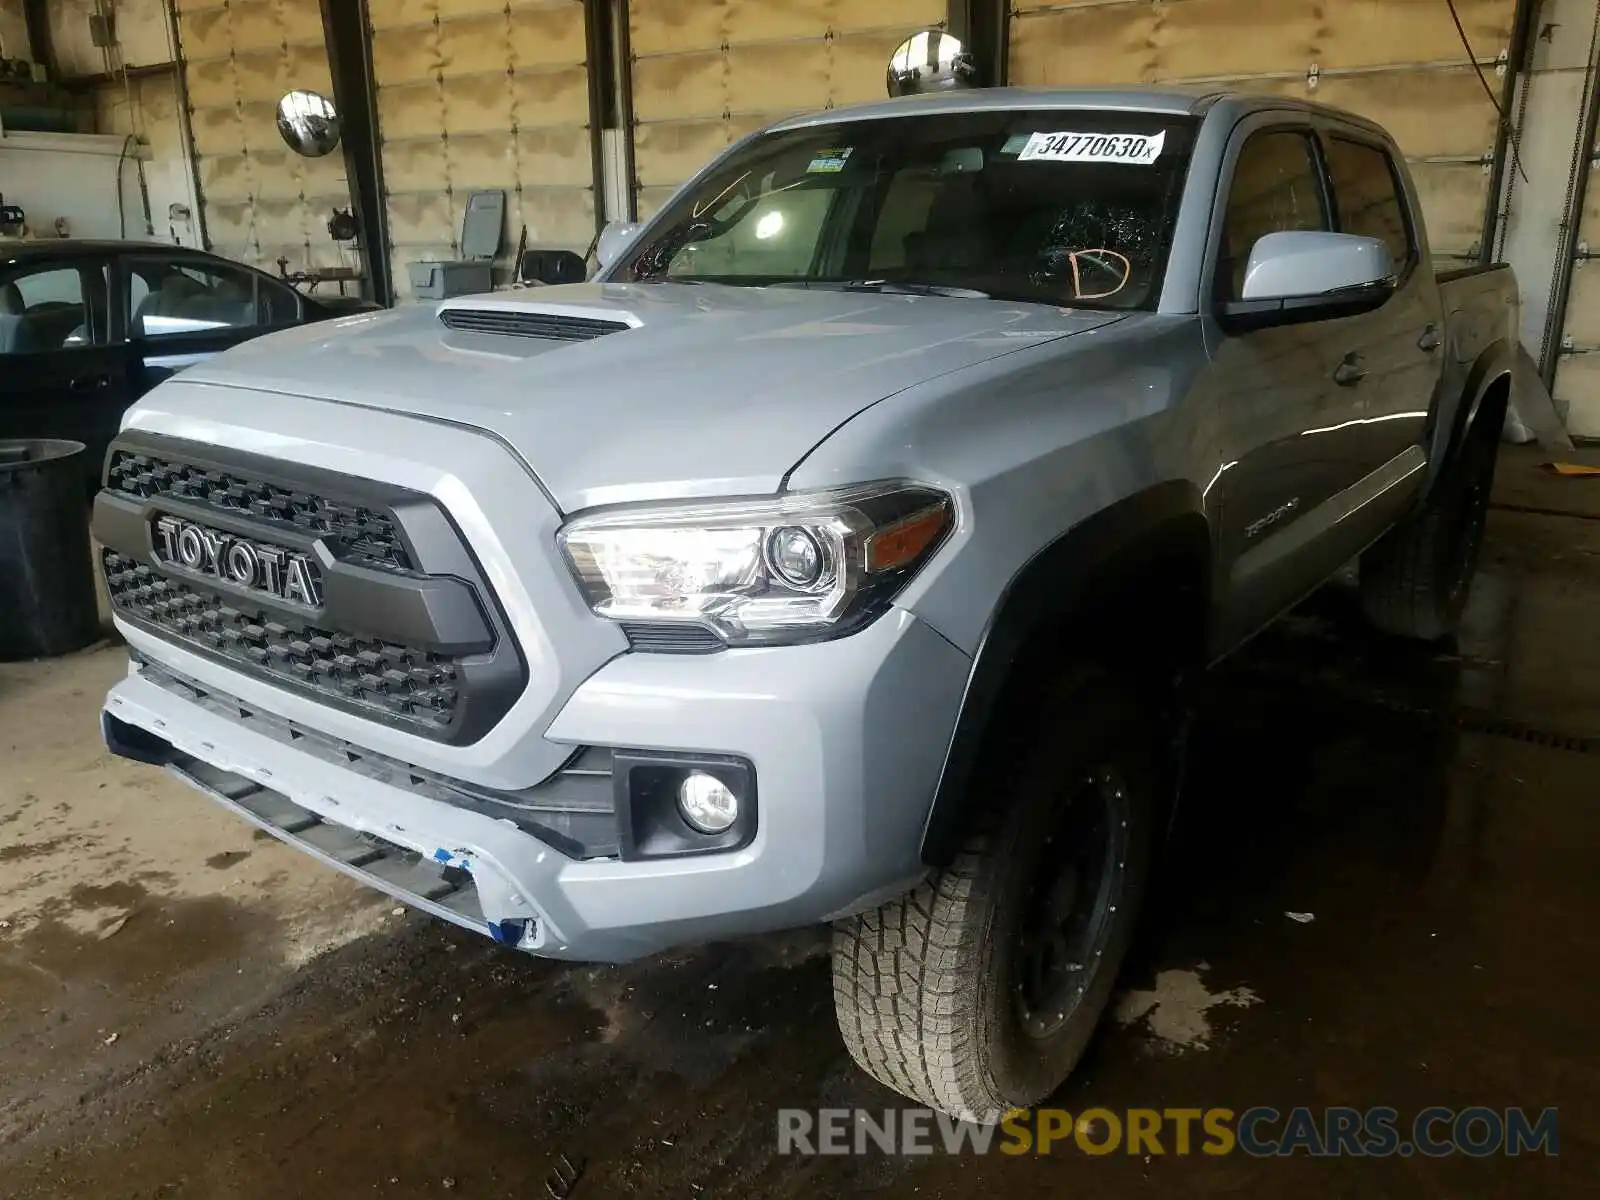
point(187, 1010)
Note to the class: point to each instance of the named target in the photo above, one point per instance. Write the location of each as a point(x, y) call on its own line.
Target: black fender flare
point(1063, 578)
point(1456, 414)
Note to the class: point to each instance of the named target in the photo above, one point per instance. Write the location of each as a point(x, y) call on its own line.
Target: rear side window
point(1276, 188)
point(1366, 194)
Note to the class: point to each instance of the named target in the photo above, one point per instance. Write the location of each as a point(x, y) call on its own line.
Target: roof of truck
point(1174, 101)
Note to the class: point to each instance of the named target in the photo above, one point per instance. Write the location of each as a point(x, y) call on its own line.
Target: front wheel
point(978, 991)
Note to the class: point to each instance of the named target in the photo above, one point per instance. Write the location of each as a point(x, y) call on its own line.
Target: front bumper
point(846, 739)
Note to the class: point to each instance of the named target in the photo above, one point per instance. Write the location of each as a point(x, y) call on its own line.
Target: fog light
point(707, 803)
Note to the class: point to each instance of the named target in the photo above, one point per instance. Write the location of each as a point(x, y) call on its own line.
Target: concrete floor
point(188, 1011)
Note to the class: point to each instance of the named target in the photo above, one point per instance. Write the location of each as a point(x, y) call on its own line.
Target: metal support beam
point(348, 34)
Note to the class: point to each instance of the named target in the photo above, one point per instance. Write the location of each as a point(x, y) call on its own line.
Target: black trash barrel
point(47, 595)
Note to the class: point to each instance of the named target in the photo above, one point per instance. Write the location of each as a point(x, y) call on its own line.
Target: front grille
point(550, 326)
point(362, 675)
point(354, 531)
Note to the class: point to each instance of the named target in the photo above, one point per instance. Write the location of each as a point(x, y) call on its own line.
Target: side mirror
point(550, 267)
point(1286, 266)
point(614, 239)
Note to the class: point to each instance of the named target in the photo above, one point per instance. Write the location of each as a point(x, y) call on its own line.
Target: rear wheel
point(979, 991)
point(1416, 580)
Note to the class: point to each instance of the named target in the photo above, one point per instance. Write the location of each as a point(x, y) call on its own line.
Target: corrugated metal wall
point(705, 72)
point(261, 201)
point(482, 94)
point(1399, 62)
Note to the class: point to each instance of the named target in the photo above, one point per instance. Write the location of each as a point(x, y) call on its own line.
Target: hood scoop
point(553, 327)
point(555, 322)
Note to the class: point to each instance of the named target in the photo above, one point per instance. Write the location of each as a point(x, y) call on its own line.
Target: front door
point(1284, 428)
point(182, 309)
point(61, 373)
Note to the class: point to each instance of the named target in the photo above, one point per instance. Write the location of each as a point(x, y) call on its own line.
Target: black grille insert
point(355, 531)
point(361, 675)
point(549, 326)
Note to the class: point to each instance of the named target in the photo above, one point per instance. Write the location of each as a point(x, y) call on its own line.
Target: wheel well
point(1143, 611)
point(1490, 418)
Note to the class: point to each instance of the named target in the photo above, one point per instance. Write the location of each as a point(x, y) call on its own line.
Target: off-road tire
point(924, 986)
point(1416, 580)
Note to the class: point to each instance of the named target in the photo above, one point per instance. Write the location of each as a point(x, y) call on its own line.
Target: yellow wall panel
point(545, 36)
point(388, 14)
point(680, 86)
point(1452, 197)
point(206, 34)
point(404, 55)
point(474, 45)
point(301, 20)
point(486, 160)
point(671, 26)
point(211, 83)
point(551, 97)
point(255, 24)
point(554, 157)
point(777, 77)
point(1083, 47)
point(767, 20)
point(216, 131)
point(476, 104)
point(225, 178)
point(859, 63)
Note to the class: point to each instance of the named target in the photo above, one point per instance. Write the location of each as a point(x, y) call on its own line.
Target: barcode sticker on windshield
point(1135, 148)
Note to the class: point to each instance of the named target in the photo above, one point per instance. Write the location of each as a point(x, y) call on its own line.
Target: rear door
point(182, 309)
point(1397, 348)
point(62, 374)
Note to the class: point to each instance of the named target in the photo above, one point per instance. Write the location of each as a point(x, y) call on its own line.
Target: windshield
point(1058, 206)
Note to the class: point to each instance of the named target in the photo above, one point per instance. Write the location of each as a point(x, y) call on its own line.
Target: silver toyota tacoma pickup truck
point(838, 554)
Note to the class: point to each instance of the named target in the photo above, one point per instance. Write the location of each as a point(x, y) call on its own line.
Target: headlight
point(798, 567)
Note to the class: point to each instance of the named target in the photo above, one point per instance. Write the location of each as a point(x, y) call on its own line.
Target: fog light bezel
point(650, 820)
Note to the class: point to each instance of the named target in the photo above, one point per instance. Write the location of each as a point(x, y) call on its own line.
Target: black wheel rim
point(1071, 903)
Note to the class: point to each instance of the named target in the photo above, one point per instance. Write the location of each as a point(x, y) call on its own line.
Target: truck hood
point(699, 389)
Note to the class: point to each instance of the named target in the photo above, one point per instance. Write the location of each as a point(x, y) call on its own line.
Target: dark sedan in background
point(87, 327)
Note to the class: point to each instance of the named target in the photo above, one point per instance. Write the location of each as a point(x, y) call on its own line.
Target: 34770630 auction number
point(1092, 147)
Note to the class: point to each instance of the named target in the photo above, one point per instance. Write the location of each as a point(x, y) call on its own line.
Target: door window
point(1277, 188)
point(52, 308)
point(1365, 194)
point(761, 232)
point(168, 298)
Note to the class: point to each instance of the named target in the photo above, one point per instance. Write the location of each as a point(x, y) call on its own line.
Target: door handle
point(1430, 339)
point(89, 383)
point(1349, 372)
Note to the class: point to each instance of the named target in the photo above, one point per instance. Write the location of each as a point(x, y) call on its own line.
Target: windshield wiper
point(890, 287)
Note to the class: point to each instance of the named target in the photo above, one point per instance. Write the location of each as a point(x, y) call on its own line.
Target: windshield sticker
point(829, 161)
point(1016, 143)
point(1137, 149)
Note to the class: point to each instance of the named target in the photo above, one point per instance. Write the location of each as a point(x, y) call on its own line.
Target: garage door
point(1400, 62)
point(704, 73)
point(482, 94)
point(260, 200)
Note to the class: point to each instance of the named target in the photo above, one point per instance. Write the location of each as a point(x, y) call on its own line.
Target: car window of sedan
point(168, 298)
point(50, 308)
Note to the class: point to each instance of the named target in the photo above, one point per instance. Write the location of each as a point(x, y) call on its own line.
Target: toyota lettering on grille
point(244, 563)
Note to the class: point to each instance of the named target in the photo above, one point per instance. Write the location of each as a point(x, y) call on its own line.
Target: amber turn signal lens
point(904, 542)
